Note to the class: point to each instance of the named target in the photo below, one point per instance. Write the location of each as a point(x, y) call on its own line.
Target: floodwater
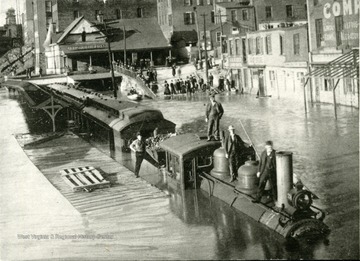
point(325, 154)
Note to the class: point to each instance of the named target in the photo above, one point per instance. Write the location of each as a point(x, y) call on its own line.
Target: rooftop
point(144, 33)
point(184, 144)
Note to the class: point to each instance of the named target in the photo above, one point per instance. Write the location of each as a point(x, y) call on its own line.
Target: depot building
point(82, 45)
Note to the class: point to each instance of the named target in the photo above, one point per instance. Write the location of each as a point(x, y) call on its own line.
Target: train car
point(194, 162)
point(113, 123)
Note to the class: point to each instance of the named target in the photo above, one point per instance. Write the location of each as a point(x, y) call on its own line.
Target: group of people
point(234, 151)
point(235, 147)
point(188, 86)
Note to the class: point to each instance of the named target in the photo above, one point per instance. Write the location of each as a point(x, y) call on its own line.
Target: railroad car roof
point(184, 144)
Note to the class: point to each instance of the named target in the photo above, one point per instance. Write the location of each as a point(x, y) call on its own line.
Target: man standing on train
point(267, 171)
point(234, 147)
point(139, 147)
point(214, 112)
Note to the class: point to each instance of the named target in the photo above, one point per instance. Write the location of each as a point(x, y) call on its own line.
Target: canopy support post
point(334, 96)
point(305, 103)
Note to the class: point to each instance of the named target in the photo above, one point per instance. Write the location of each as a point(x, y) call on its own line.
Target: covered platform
point(343, 70)
point(82, 46)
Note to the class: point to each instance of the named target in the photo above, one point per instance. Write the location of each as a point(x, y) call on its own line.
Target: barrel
point(221, 164)
point(247, 179)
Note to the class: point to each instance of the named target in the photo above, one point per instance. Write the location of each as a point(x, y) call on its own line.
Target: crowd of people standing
point(190, 85)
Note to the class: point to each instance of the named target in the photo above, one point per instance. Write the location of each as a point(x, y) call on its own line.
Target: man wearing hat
point(139, 147)
point(234, 145)
point(214, 112)
point(267, 171)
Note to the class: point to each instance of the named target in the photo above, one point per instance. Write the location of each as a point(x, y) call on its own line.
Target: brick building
point(182, 21)
point(39, 15)
point(280, 13)
point(270, 62)
point(334, 36)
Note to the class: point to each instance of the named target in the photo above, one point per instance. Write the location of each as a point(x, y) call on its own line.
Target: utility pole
point(124, 31)
point(221, 38)
point(206, 56)
point(102, 26)
point(198, 32)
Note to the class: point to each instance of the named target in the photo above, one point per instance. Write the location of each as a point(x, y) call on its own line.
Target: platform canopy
point(344, 67)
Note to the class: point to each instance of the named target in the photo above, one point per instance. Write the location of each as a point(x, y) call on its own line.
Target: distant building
point(39, 15)
point(334, 46)
point(270, 62)
point(280, 13)
point(10, 33)
point(81, 46)
point(182, 22)
point(268, 55)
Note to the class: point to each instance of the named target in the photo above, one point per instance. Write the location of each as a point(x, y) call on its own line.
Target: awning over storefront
point(344, 67)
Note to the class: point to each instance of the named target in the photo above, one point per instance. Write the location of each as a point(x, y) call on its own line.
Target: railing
point(138, 77)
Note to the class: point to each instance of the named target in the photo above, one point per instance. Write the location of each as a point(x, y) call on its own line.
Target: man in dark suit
point(214, 112)
point(267, 171)
point(234, 146)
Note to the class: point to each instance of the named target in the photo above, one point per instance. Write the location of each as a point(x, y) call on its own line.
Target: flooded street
point(190, 225)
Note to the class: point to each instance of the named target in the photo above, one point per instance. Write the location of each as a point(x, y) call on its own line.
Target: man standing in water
point(214, 112)
point(139, 147)
point(267, 171)
point(234, 146)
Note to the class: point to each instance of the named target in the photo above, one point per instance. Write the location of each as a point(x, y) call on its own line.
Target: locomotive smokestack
point(284, 177)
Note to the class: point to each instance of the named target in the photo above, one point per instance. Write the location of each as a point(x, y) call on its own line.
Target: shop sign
point(86, 47)
point(347, 7)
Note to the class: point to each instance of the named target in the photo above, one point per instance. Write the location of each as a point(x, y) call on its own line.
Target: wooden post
point(334, 96)
point(206, 54)
point(305, 103)
point(124, 32)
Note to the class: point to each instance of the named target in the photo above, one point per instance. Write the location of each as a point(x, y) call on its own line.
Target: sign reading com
point(347, 7)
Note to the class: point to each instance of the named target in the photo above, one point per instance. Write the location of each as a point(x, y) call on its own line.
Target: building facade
point(39, 15)
point(81, 48)
point(280, 13)
point(270, 62)
point(334, 32)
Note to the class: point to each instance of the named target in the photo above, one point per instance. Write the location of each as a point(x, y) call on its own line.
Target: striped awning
point(345, 66)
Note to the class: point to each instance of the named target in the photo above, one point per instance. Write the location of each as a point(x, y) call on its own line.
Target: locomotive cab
point(186, 156)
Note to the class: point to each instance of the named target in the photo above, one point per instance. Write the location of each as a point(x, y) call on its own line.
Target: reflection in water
point(325, 156)
point(236, 235)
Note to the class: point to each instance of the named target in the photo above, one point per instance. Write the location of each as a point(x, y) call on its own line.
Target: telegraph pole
point(198, 32)
point(124, 31)
point(206, 56)
point(111, 63)
point(102, 26)
point(221, 38)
